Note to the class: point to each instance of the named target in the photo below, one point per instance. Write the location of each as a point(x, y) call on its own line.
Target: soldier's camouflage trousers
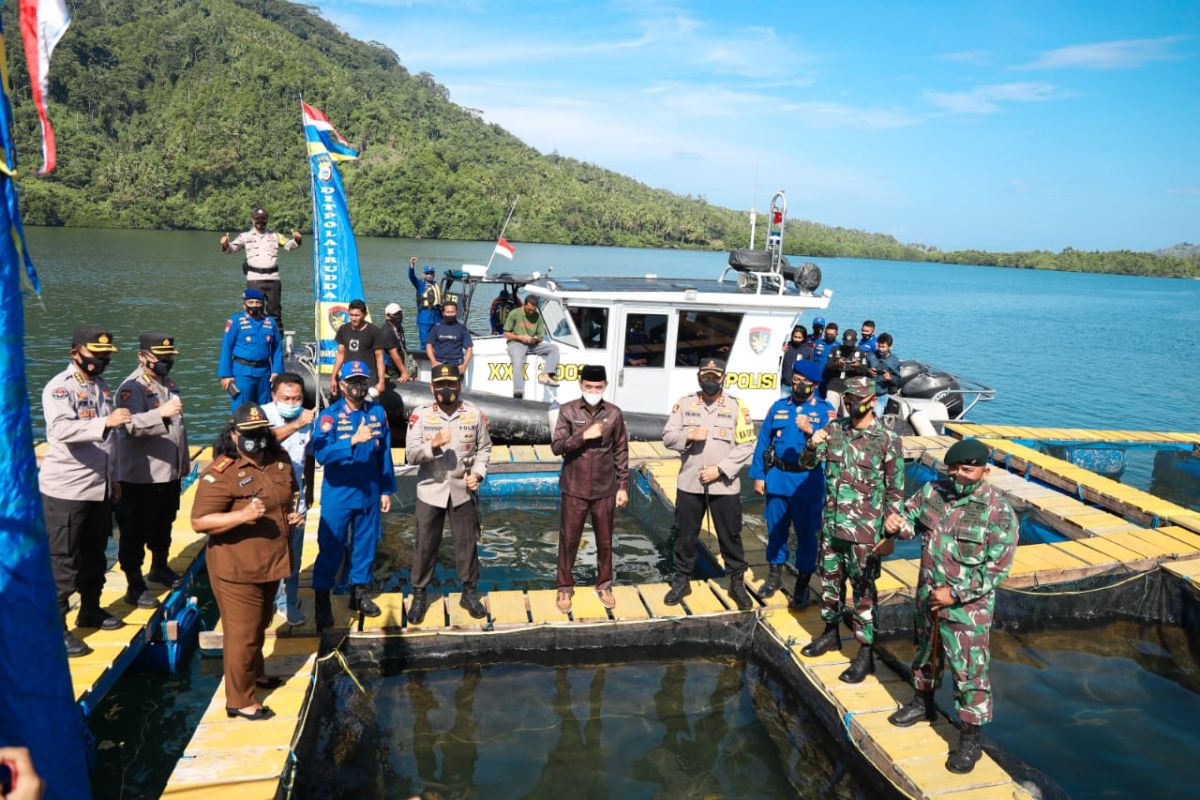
point(964, 634)
point(838, 561)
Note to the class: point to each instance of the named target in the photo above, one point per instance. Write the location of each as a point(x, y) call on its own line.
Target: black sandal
point(262, 713)
point(269, 682)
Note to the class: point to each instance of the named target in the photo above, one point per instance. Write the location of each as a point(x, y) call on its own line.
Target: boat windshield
point(558, 323)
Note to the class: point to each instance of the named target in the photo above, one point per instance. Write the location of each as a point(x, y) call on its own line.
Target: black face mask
point(446, 397)
point(797, 343)
point(162, 367)
point(710, 387)
point(254, 311)
point(831, 339)
point(802, 392)
point(91, 365)
point(858, 408)
point(450, 320)
point(397, 322)
point(356, 390)
point(251, 445)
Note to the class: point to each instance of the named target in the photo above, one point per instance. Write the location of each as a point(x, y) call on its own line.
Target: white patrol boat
point(651, 333)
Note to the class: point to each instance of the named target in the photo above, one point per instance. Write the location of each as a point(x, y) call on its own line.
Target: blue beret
point(254, 294)
point(353, 369)
point(807, 369)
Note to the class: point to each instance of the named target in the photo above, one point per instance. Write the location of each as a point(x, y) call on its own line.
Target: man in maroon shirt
point(591, 438)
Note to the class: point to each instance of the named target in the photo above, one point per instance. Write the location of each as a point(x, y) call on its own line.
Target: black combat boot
point(324, 611)
point(470, 601)
point(162, 574)
point(773, 583)
point(862, 666)
point(681, 587)
point(800, 593)
point(76, 647)
point(738, 593)
point(829, 639)
point(140, 597)
point(963, 758)
point(359, 601)
point(418, 607)
point(921, 707)
point(91, 615)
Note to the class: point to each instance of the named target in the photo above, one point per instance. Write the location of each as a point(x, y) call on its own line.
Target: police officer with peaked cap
point(251, 353)
point(715, 435)
point(78, 478)
point(153, 458)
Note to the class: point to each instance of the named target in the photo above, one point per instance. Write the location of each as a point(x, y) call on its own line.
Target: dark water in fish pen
point(707, 727)
point(1106, 710)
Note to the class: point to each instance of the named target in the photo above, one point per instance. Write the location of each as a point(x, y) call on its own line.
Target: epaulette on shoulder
point(221, 464)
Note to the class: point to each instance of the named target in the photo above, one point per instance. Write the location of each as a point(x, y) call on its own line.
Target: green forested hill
point(185, 114)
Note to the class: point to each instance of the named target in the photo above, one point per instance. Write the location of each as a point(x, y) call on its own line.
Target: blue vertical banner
point(37, 703)
point(336, 279)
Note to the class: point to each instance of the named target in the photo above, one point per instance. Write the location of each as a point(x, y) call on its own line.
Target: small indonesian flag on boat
point(322, 137)
point(43, 23)
point(503, 248)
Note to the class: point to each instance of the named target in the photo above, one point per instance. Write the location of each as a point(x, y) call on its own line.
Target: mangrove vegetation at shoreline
point(184, 114)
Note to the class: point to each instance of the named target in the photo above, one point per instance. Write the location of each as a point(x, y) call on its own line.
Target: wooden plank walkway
point(964, 430)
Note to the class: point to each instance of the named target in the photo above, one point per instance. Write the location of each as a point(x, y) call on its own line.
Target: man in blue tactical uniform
point(794, 495)
point(884, 367)
point(429, 299)
point(251, 353)
point(867, 341)
point(354, 445)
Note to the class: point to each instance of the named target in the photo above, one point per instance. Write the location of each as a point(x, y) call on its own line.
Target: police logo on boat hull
point(759, 339)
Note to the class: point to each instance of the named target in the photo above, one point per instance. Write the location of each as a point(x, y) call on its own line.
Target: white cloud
point(988, 99)
point(1185, 190)
point(968, 57)
point(1123, 54)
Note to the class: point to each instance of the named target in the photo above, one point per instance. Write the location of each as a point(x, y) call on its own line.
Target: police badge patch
point(759, 339)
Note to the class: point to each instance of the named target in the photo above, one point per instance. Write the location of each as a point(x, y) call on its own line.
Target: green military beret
point(971, 452)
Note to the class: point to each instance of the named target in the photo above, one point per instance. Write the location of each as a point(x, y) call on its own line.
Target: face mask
point(592, 398)
point(251, 444)
point(797, 342)
point(446, 397)
point(964, 489)
point(91, 365)
point(451, 319)
point(831, 339)
point(858, 408)
point(162, 367)
point(802, 392)
point(289, 411)
point(254, 311)
point(710, 387)
point(356, 390)
point(396, 321)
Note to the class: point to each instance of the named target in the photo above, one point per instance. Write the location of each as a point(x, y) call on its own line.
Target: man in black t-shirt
point(359, 340)
point(394, 343)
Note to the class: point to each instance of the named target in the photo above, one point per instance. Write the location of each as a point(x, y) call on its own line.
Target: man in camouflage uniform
point(864, 481)
point(969, 537)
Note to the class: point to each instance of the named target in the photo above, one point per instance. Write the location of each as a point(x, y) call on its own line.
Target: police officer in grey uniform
point(262, 259)
point(449, 442)
point(715, 436)
point(78, 478)
point(152, 459)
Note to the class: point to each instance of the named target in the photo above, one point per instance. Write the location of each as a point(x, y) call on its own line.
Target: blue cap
point(353, 369)
point(807, 369)
point(254, 294)
point(427, 269)
point(818, 321)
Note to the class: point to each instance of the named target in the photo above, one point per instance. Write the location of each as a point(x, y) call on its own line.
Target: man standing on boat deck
point(152, 458)
point(429, 299)
point(867, 341)
point(864, 481)
point(715, 435)
point(354, 445)
point(261, 265)
point(590, 436)
point(969, 537)
point(793, 493)
point(394, 342)
point(884, 366)
point(525, 330)
point(358, 340)
point(449, 341)
point(449, 442)
point(78, 479)
point(251, 353)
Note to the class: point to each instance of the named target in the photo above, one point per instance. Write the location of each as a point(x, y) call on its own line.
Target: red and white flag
point(503, 248)
point(43, 23)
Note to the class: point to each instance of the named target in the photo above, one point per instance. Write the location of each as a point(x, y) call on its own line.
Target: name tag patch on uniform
point(245, 480)
point(210, 479)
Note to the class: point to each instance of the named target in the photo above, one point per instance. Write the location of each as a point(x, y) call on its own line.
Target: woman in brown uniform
point(244, 502)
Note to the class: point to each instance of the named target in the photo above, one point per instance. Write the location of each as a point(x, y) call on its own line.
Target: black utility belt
point(247, 269)
point(787, 467)
point(245, 362)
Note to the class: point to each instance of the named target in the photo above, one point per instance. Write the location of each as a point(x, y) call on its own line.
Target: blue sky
point(1001, 126)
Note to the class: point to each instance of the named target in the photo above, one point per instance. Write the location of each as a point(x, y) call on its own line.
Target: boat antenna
point(503, 228)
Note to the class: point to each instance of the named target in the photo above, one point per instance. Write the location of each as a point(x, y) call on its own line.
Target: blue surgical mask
point(289, 411)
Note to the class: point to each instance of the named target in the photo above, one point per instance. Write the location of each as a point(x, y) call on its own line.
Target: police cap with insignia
point(593, 372)
point(971, 452)
point(95, 338)
point(716, 366)
point(159, 344)
point(427, 269)
point(445, 373)
point(249, 417)
point(354, 369)
point(807, 369)
point(860, 386)
point(258, 213)
point(254, 294)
